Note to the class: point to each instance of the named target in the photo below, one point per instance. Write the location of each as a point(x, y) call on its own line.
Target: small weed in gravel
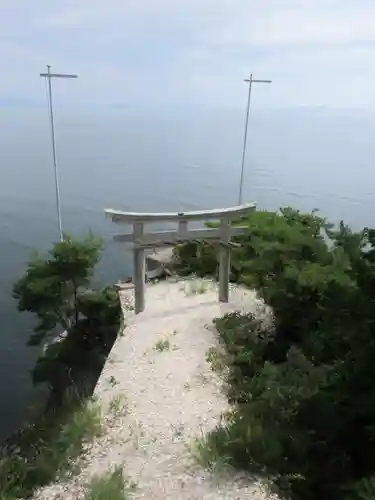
point(207, 456)
point(202, 378)
point(118, 406)
point(178, 430)
point(111, 486)
point(112, 381)
point(162, 345)
point(215, 358)
point(196, 287)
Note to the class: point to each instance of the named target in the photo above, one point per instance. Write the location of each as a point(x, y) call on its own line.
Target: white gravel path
point(168, 398)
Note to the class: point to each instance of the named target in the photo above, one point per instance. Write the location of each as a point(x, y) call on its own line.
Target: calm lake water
point(304, 158)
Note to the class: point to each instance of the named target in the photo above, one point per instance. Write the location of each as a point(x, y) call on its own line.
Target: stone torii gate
point(142, 240)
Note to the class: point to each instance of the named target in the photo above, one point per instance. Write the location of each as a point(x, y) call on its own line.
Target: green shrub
point(78, 359)
point(48, 451)
point(196, 258)
point(245, 339)
point(303, 387)
point(111, 486)
point(100, 307)
point(56, 290)
point(51, 286)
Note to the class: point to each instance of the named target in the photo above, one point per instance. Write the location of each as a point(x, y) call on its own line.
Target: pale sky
point(190, 53)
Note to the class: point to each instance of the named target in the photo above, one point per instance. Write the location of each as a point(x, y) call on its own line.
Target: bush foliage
point(303, 388)
point(80, 357)
point(57, 290)
point(51, 286)
point(49, 450)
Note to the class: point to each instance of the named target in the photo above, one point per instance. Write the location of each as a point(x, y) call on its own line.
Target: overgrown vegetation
point(208, 457)
point(111, 486)
point(49, 450)
point(77, 360)
point(51, 287)
point(57, 290)
point(302, 387)
point(216, 359)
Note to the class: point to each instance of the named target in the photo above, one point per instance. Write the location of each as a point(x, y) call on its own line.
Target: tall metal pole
point(49, 77)
point(250, 81)
point(53, 139)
